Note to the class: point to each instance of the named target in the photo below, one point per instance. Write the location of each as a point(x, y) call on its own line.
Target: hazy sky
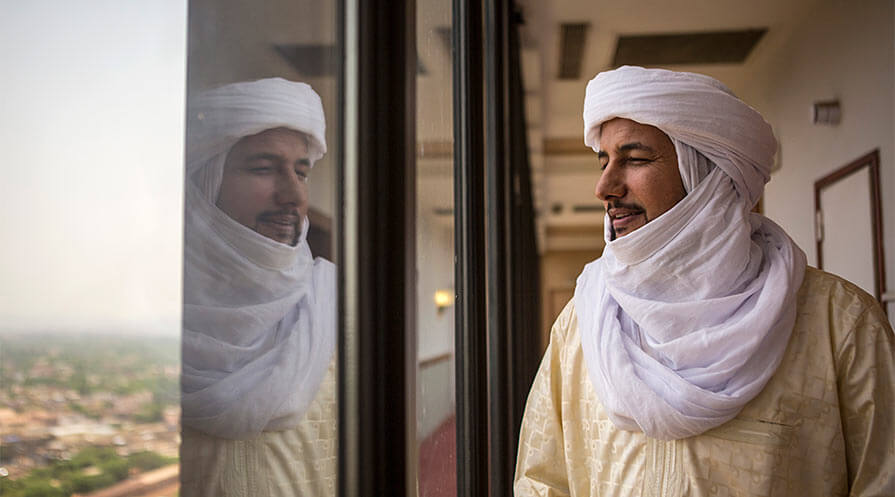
point(91, 151)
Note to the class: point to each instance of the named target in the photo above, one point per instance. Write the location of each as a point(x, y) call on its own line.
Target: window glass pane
point(259, 341)
point(91, 146)
point(436, 423)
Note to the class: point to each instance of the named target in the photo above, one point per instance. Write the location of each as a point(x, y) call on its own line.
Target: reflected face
point(640, 178)
point(265, 183)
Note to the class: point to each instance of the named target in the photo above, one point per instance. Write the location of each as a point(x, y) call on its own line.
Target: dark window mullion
point(524, 259)
point(470, 269)
point(498, 257)
point(377, 439)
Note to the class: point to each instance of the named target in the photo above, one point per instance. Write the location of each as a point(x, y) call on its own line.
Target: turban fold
point(221, 116)
point(684, 320)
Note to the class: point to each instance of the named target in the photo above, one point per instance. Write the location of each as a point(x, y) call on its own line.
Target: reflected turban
point(220, 117)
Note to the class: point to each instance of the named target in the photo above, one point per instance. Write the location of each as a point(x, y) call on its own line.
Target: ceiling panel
point(715, 47)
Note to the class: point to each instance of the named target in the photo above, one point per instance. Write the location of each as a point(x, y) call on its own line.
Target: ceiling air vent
point(446, 36)
point(314, 61)
point(572, 38)
point(717, 47)
point(310, 61)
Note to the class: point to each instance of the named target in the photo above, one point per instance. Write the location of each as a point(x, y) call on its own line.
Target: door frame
point(871, 161)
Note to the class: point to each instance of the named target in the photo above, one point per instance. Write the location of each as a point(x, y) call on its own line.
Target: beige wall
point(844, 51)
point(559, 270)
point(435, 271)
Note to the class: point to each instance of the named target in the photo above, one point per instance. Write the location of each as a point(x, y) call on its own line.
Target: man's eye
point(260, 170)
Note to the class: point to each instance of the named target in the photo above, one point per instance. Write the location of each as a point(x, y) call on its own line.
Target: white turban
point(684, 320)
point(697, 110)
point(258, 315)
point(219, 118)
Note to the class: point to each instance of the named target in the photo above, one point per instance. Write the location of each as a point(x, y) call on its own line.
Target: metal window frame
point(471, 326)
point(499, 234)
point(377, 348)
point(377, 351)
point(525, 296)
point(497, 269)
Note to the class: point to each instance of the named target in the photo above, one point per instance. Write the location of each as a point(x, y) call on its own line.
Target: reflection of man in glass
point(259, 322)
point(265, 183)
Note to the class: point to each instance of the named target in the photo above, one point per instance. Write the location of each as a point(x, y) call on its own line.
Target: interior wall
point(843, 51)
point(559, 270)
point(435, 272)
point(435, 329)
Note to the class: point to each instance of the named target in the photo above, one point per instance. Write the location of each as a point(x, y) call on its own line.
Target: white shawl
point(684, 320)
point(258, 317)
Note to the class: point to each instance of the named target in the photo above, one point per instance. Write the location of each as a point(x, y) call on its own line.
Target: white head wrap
point(684, 320)
point(258, 315)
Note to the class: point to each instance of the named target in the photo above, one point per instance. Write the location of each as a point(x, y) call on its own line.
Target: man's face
point(640, 178)
point(265, 183)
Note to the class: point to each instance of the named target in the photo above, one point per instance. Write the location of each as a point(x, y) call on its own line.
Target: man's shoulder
point(844, 304)
point(566, 323)
point(821, 283)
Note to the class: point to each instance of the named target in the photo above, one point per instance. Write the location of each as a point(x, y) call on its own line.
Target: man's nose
point(610, 184)
point(290, 189)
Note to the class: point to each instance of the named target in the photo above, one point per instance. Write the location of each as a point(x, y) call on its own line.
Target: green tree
point(149, 413)
point(145, 461)
point(117, 468)
point(83, 483)
point(42, 488)
point(93, 456)
point(11, 488)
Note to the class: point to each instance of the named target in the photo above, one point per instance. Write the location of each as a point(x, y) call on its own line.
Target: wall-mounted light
point(443, 300)
point(829, 113)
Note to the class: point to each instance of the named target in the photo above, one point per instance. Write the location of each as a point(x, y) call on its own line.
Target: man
point(699, 356)
point(259, 324)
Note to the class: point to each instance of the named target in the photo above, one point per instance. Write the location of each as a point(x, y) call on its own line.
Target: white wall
point(435, 271)
point(844, 51)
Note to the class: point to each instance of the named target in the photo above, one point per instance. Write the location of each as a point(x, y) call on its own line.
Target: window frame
point(494, 328)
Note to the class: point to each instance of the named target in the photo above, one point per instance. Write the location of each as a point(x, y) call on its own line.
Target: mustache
point(281, 213)
point(622, 205)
